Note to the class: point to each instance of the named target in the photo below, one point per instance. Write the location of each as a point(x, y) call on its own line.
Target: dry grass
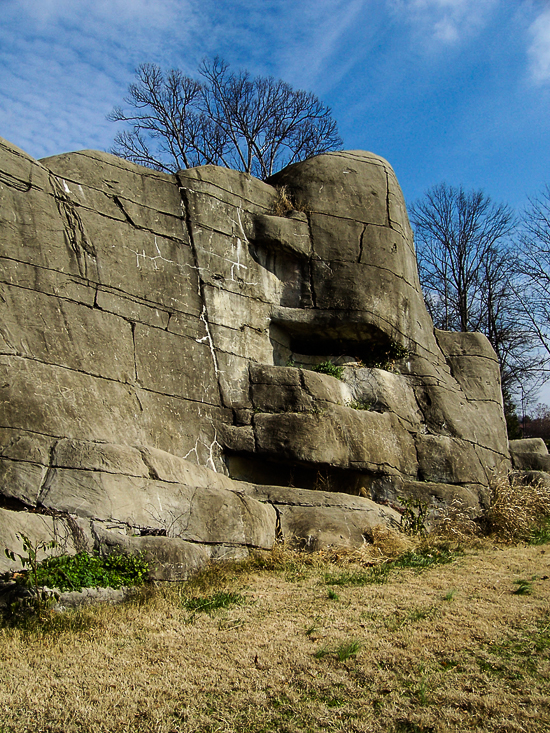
point(360, 640)
point(285, 203)
point(517, 508)
point(450, 649)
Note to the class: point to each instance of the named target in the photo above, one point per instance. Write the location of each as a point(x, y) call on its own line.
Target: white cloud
point(444, 21)
point(66, 63)
point(539, 48)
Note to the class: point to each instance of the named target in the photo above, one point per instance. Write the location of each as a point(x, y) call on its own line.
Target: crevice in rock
point(13, 182)
point(200, 283)
point(279, 536)
point(361, 243)
point(134, 351)
point(15, 505)
point(388, 217)
point(75, 233)
point(153, 473)
point(48, 475)
point(127, 216)
point(328, 339)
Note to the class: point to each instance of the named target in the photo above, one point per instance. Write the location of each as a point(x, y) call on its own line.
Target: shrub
point(74, 572)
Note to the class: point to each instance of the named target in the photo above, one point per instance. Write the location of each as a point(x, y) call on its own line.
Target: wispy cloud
point(539, 48)
point(66, 63)
point(444, 21)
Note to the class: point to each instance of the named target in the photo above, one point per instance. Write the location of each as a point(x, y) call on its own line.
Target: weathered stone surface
point(338, 437)
point(155, 337)
point(21, 480)
point(465, 353)
point(39, 528)
point(530, 454)
point(315, 520)
point(280, 232)
point(107, 457)
point(75, 336)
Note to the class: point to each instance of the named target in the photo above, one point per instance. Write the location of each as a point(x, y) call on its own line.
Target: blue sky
point(446, 90)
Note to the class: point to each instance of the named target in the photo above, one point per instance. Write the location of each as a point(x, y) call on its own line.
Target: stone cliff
point(158, 340)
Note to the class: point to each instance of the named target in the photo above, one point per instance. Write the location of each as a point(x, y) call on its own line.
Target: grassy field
point(437, 640)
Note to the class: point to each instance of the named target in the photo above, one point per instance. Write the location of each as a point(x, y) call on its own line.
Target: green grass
point(521, 655)
point(418, 560)
point(541, 535)
point(424, 559)
point(214, 602)
point(524, 588)
point(376, 575)
point(347, 650)
point(344, 651)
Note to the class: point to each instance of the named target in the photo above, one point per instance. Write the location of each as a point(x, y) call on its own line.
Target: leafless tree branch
point(253, 124)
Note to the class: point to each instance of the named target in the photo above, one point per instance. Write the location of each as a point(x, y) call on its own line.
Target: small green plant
point(209, 604)
point(449, 595)
point(327, 367)
point(84, 570)
point(333, 595)
point(524, 588)
point(313, 628)
point(347, 650)
point(41, 600)
point(414, 517)
point(361, 405)
point(70, 573)
point(30, 557)
point(322, 652)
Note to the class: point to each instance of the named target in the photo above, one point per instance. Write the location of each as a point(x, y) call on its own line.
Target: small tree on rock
point(252, 124)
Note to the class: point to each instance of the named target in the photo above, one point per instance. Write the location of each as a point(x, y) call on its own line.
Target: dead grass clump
point(390, 543)
point(285, 203)
point(456, 522)
point(516, 508)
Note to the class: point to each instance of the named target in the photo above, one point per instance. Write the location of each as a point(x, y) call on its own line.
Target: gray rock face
point(530, 454)
point(157, 339)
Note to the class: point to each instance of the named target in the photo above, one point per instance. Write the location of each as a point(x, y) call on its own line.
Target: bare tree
point(253, 124)
point(534, 265)
point(466, 265)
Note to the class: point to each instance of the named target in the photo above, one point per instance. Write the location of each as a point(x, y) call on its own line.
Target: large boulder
point(158, 340)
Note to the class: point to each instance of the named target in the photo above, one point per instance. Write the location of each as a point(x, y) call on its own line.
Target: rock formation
point(157, 343)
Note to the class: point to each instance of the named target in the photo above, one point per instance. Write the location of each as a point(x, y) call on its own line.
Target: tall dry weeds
point(456, 522)
point(517, 508)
